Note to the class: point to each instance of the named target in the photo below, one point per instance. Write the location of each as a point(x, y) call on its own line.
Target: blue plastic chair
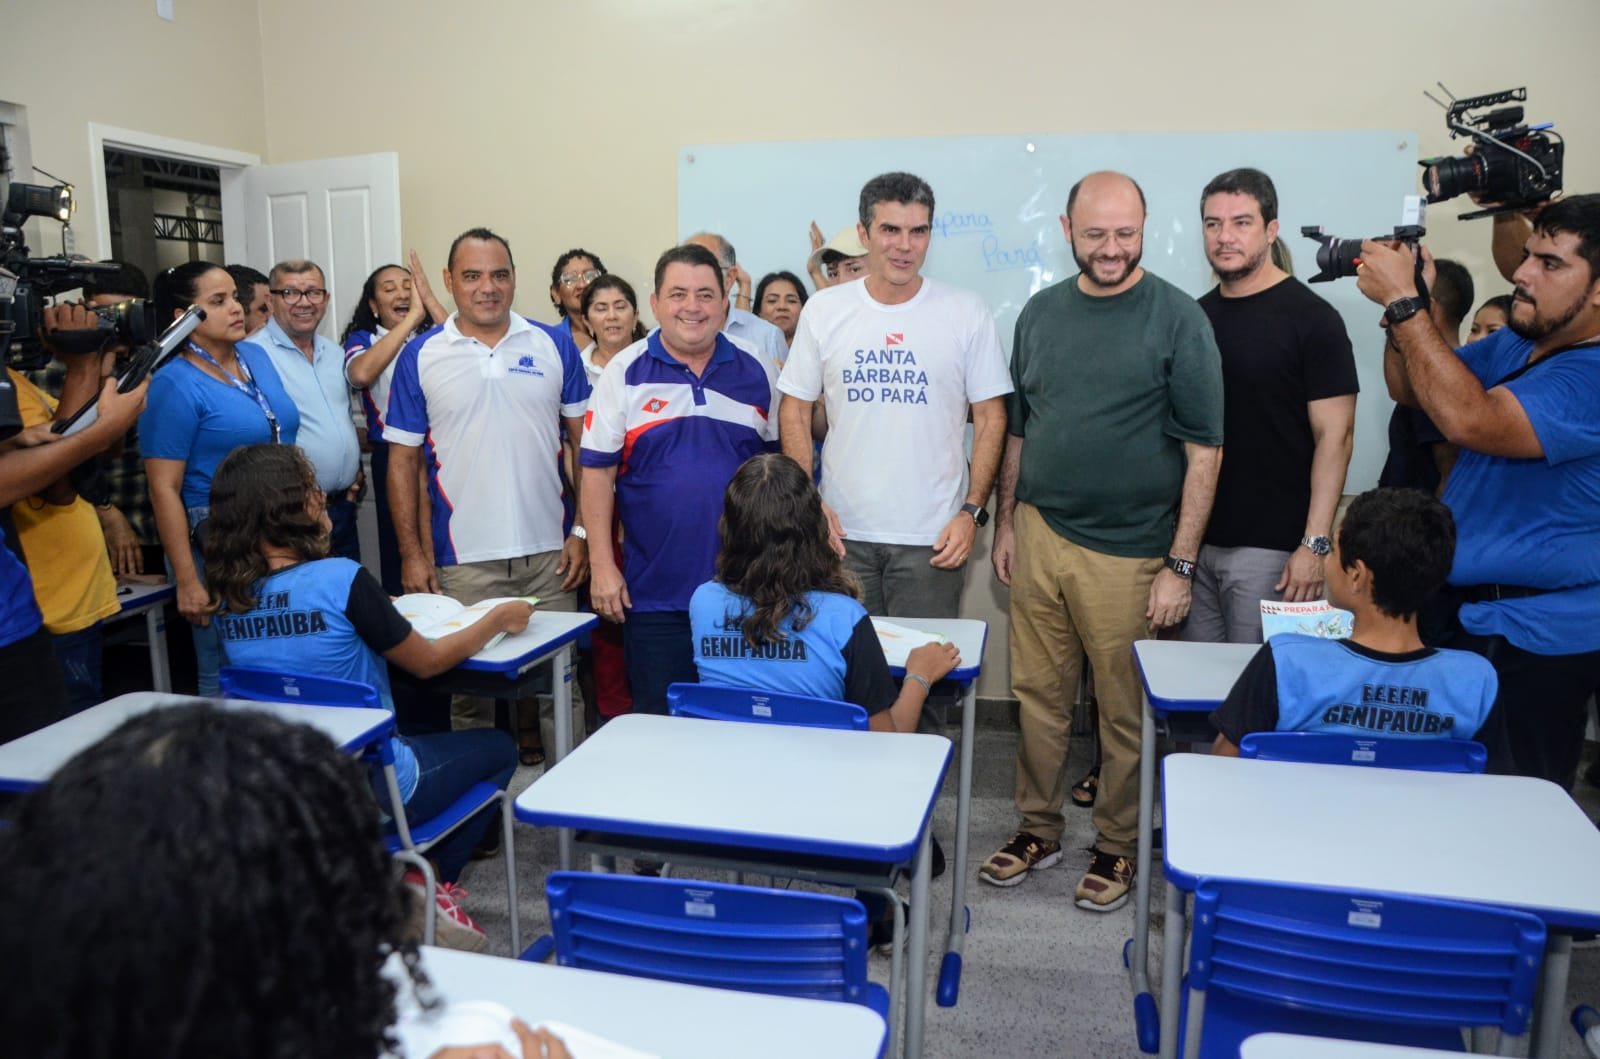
point(1357, 966)
point(781, 942)
point(412, 838)
point(712, 703)
point(1323, 748)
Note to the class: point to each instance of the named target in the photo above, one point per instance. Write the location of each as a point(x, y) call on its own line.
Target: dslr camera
point(1339, 257)
point(1515, 165)
point(28, 283)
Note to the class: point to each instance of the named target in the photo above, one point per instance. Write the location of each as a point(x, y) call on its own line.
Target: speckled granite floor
point(1041, 977)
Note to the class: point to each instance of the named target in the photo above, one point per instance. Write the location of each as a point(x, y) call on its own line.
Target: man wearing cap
point(898, 360)
point(742, 323)
point(840, 260)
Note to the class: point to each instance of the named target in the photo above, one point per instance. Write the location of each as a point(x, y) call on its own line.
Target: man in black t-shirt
point(1289, 404)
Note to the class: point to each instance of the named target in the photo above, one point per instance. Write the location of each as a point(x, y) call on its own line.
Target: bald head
point(1107, 188)
point(720, 248)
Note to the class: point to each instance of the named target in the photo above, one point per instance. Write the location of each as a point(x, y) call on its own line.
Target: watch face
point(1318, 545)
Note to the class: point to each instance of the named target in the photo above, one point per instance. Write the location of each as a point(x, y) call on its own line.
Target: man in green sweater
point(1114, 443)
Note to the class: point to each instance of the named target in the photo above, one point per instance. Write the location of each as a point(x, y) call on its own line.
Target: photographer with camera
point(32, 693)
point(1524, 407)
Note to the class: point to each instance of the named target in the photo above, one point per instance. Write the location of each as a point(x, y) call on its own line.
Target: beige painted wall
point(559, 123)
point(113, 62)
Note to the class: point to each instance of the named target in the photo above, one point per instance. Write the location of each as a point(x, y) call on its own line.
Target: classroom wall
point(114, 62)
point(559, 124)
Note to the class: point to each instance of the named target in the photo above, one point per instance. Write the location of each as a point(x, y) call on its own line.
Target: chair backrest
point(783, 942)
point(268, 685)
point(713, 703)
point(1324, 748)
point(1367, 957)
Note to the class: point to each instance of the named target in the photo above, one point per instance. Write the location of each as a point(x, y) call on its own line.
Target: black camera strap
point(1592, 343)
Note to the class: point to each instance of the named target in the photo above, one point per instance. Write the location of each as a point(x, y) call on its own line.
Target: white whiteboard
point(998, 200)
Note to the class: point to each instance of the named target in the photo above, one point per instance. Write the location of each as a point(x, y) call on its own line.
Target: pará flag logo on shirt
point(654, 405)
point(894, 338)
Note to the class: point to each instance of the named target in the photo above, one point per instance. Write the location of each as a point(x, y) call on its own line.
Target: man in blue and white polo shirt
point(484, 394)
point(672, 418)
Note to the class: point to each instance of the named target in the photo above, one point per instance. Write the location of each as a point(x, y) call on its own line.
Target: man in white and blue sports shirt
point(672, 419)
point(482, 397)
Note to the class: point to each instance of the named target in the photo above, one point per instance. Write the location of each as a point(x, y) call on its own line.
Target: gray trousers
point(1229, 585)
point(897, 582)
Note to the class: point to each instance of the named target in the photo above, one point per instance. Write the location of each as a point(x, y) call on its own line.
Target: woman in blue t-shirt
point(281, 604)
point(218, 393)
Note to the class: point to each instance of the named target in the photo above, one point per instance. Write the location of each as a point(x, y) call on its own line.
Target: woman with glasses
point(573, 272)
point(395, 306)
point(218, 393)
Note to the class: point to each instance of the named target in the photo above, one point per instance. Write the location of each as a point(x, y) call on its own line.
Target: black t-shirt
point(1281, 349)
point(373, 614)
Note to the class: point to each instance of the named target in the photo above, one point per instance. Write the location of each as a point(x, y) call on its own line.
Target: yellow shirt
point(62, 544)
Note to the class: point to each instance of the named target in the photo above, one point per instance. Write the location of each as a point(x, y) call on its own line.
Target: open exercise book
point(1315, 618)
point(899, 641)
point(435, 616)
point(485, 1022)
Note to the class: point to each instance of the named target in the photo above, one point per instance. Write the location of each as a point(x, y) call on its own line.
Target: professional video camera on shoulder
point(28, 283)
point(1514, 165)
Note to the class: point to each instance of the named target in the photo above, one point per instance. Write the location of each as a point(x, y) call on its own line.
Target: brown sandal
point(1084, 791)
point(530, 749)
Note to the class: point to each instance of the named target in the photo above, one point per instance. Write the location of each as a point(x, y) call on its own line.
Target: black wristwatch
point(1184, 568)
point(1402, 309)
point(979, 515)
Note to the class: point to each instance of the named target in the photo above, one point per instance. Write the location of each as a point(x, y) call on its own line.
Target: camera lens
point(1449, 177)
point(1337, 257)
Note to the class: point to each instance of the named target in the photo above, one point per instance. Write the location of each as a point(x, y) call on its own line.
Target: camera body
point(28, 283)
point(1516, 166)
point(1338, 257)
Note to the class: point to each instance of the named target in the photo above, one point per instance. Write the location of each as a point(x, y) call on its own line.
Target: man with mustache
point(1524, 407)
point(484, 392)
point(1289, 412)
point(1114, 441)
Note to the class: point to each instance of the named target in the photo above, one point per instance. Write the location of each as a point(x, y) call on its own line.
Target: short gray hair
point(294, 267)
point(725, 253)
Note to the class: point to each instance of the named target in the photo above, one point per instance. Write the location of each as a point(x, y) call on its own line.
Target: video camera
point(1339, 257)
point(1515, 166)
point(28, 283)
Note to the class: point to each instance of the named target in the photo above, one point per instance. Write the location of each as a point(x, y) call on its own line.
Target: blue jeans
point(79, 654)
point(343, 540)
point(388, 548)
point(447, 764)
point(658, 650)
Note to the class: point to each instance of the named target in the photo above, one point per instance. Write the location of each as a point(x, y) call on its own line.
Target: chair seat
point(1230, 1019)
point(425, 832)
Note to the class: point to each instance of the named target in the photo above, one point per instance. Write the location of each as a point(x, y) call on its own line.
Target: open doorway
point(162, 211)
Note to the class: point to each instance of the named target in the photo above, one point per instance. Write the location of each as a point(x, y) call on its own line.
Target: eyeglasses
point(316, 295)
point(571, 279)
point(1094, 238)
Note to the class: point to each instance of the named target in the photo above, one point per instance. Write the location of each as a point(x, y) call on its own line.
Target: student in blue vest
point(1391, 553)
point(281, 604)
point(785, 614)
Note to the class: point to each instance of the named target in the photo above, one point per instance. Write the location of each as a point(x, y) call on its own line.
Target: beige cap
point(847, 244)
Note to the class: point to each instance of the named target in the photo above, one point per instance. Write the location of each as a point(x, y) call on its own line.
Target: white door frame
point(103, 136)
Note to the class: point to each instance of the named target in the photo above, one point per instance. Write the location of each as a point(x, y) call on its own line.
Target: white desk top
point(968, 634)
point(1294, 1046)
point(1507, 841)
point(663, 1018)
point(30, 761)
point(1189, 677)
point(546, 631)
point(138, 596)
point(800, 790)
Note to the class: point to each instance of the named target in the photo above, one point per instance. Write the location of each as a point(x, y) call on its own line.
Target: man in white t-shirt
point(484, 394)
point(897, 360)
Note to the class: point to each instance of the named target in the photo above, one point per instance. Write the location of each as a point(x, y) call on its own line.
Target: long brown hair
point(258, 496)
point(775, 547)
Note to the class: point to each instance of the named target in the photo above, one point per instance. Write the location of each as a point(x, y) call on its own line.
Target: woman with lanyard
point(219, 393)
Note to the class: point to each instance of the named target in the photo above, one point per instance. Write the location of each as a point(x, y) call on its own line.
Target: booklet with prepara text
point(1317, 617)
point(436, 616)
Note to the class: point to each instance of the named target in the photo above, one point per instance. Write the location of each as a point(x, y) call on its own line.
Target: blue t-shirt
point(1301, 683)
point(836, 656)
point(1534, 522)
point(19, 613)
point(328, 618)
point(192, 417)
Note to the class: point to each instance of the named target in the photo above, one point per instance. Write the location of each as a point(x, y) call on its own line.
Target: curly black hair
point(258, 493)
point(201, 882)
point(775, 547)
point(364, 319)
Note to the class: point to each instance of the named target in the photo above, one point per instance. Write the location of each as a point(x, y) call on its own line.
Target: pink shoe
point(452, 927)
